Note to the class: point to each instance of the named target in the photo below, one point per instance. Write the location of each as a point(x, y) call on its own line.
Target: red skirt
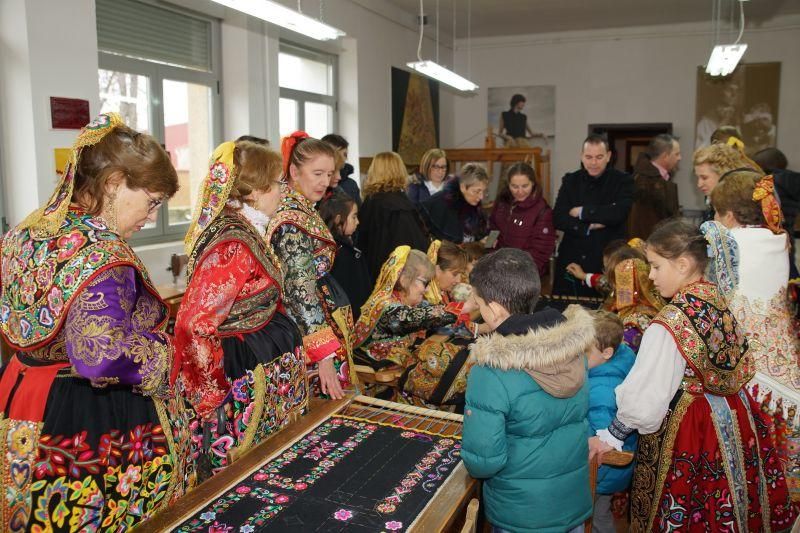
point(711, 467)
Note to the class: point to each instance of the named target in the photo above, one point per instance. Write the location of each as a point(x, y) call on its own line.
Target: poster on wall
point(540, 109)
point(747, 99)
point(415, 115)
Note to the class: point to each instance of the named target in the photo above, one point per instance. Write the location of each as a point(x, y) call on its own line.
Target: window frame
point(301, 97)
point(156, 73)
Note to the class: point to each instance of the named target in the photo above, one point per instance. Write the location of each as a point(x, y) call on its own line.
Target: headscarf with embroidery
point(764, 193)
point(632, 286)
point(46, 221)
point(432, 294)
point(216, 188)
point(384, 288)
point(723, 254)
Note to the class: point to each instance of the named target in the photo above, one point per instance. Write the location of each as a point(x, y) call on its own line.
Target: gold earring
point(109, 212)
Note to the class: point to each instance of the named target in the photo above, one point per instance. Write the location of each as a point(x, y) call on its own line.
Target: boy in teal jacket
point(527, 399)
point(610, 361)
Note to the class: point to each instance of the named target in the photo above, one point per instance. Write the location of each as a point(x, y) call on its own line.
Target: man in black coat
point(591, 209)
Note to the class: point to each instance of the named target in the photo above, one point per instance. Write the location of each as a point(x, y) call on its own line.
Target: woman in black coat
point(455, 213)
point(388, 218)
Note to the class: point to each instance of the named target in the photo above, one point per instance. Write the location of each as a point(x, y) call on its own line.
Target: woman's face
point(132, 209)
point(313, 178)
point(437, 170)
point(351, 222)
point(474, 193)
point(707, 179)
point(520, 187)
point(415, 291)
point(266, 201)
point(520, 106)
point(447, 279)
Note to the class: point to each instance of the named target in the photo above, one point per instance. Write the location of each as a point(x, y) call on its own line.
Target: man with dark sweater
point(591, 209)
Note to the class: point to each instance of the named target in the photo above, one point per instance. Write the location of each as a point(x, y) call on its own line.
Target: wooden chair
point(371, 378)
point(613, 458)
point(471, 519)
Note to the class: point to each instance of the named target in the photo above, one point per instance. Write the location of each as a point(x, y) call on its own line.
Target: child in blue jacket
point(526, 403)
point(610, 360)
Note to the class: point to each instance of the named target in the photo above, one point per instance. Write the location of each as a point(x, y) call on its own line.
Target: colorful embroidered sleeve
point(216, 283)
point(295, 249)
point(402, 319)
point(112, 333)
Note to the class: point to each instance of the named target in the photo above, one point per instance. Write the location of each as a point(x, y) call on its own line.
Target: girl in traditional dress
point(706, 459)
point(91, 437)
point(450, 264)
point(635, 300)
point(395, 310)
point(240, 358)
point(307, 250)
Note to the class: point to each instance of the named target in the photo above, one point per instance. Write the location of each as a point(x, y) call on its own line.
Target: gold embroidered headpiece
point(46, 221)
point(764, 193)
point(216, 188)
point(432, 294)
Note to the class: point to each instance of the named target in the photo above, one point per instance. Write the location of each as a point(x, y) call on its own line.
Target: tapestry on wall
point(746, 99)
point(348, 474)
point(415, 115)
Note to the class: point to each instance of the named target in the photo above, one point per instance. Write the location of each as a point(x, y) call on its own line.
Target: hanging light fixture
point(435, 70)
point(725, 57)
point(282, 16)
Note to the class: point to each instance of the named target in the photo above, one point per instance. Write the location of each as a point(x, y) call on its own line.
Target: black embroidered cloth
point(348, 474)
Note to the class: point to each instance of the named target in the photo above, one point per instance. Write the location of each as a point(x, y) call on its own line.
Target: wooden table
point(443, 513)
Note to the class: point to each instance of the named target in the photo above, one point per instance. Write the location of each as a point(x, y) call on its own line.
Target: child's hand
point(576, 270)
point(597, 448)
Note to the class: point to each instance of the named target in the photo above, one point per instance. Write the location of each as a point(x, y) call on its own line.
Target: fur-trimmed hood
point(553, 356)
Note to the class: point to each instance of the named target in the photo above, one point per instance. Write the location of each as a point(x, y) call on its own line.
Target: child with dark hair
point(527, 400)
point(340, 214)
point(610, 360)
point(597, 280)
point(343, 182)
point(706, 453)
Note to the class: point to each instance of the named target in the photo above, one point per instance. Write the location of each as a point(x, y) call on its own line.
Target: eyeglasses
point(424, 281)
point(153, 204)
point(439, 167)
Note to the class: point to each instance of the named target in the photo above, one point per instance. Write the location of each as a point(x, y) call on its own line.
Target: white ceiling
point(491, 18)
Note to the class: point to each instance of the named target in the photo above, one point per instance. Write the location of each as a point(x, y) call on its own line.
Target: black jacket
point(449, 217)
point(606, 200)
point(388, 220)
point(351, 272)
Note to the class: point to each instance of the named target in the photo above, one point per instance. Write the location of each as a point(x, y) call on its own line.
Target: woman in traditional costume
point(450, 264)
point(239, 357)
point(395, 310)
point(91, 436)
point(757, 277)
point(706, 457)
point(635, 300)
point(306, 250)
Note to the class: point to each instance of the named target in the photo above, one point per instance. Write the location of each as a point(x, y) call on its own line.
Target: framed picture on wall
point(747, 99)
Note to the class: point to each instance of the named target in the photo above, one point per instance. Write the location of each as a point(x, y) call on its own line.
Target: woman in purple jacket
point(522, 216)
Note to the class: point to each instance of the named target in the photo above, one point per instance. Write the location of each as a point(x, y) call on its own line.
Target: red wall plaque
point(69, 113)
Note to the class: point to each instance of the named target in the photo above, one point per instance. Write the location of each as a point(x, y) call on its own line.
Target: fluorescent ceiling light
point(282, 16)
point(724, 59)
point(439, 73)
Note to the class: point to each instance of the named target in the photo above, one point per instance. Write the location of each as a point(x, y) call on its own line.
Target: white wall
point(631, 75)
point(47, 48)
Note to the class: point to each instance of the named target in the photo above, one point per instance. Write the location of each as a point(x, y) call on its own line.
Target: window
point(169, 91)
point(307, 82)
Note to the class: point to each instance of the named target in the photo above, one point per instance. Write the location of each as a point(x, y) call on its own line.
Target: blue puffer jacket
point(525, 421)
point(603, 380)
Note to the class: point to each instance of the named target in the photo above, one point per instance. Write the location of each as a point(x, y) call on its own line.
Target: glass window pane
point(128, 95)
point(319, 119)
point(188, 139)
point(287, 116)
point(304, 74)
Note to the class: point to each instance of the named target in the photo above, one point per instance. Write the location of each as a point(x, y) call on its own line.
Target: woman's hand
point(576, 271)
point(328, 380)
point(597, 448)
